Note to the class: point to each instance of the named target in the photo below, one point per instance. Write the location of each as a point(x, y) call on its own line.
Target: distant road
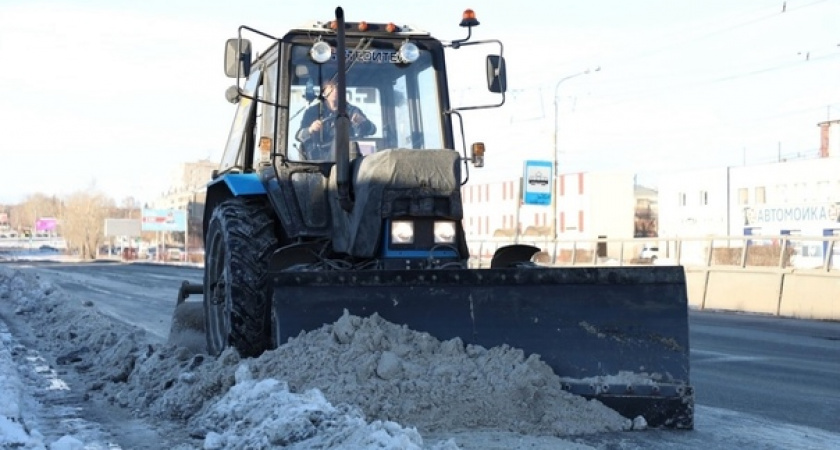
point(141, 294)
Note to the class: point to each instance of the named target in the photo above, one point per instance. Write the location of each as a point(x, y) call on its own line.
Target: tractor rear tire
point(237, 292)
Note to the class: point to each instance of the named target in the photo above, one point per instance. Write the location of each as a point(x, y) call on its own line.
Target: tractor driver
point(317, 128)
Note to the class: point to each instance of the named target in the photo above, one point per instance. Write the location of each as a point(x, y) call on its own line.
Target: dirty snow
point(356, 383)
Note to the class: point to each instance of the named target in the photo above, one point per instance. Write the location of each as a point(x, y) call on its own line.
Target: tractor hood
point(390, 184)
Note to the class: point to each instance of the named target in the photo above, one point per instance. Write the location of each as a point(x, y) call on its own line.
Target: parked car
point(129, 253)
point(649, 251)
point(173, 254)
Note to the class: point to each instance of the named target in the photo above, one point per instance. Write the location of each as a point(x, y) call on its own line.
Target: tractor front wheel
point(237, 292)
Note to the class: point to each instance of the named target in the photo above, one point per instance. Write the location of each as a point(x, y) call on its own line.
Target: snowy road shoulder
point(26, 380)
point(229, 402)
point(14, 431)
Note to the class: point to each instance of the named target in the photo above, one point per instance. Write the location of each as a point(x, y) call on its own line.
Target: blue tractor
point(319, 208)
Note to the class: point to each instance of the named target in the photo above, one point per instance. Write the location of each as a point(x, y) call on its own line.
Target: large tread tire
point(240, 240)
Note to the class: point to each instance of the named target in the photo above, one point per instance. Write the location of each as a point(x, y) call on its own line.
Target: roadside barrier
point(783, 276)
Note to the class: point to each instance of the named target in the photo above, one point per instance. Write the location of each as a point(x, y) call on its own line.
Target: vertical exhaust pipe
point(342, 122)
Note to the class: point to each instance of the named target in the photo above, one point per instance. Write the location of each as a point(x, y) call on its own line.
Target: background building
point(186, 181)
point(694, 203)
point(188, 190)
point(590, 206)
point(784, 197)
point(788, 197)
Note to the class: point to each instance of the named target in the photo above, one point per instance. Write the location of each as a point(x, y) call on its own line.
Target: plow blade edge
point(617, 334)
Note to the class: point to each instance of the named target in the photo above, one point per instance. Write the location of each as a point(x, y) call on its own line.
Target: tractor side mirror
point(238, 58)
point(496, 74)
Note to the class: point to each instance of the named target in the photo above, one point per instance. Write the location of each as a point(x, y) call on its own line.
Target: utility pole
point(556, 177)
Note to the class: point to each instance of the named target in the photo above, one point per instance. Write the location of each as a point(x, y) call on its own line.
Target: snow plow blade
point(619, 335)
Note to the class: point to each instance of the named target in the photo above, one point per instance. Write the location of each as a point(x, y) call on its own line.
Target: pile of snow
point(356, 383)
point(12, 423)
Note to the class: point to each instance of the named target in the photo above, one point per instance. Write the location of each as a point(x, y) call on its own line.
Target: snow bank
point(14, 432)
point(356, 383)
point(394, 373)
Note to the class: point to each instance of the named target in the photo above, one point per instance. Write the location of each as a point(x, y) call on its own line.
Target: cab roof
point(361, 29)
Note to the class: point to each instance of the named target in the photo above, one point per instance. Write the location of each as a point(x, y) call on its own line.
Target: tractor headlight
point(444, 232)
point(320, 52)
point(409, 52)
point(402, 232)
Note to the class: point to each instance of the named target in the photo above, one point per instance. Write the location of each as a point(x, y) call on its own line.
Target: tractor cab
point(395, 76)
point(397, 90)
point(391, 86)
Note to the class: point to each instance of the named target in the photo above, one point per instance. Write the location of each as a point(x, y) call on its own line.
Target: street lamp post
point(556, 180)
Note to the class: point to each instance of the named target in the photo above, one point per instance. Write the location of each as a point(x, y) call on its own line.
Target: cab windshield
point(390, 104)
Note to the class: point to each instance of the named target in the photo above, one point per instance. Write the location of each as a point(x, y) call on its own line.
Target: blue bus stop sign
point(536, 183)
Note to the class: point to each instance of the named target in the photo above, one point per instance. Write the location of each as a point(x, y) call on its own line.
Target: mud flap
point(590, 324)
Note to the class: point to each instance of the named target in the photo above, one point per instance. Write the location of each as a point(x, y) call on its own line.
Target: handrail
point(779, 251)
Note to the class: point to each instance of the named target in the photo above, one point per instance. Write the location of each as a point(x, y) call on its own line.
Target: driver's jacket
point(318, 145)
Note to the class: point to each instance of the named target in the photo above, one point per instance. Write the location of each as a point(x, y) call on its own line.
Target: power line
point(676, 43)
point(650, 90)
point(780, 62)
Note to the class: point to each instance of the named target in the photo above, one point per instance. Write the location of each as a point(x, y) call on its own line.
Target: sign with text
point(164, 220)
point(806, 213)
point(46, 224)
point(536, 189)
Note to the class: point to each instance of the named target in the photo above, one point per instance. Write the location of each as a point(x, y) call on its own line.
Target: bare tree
point(83, 221)
point(130, 208)
point(24, 215)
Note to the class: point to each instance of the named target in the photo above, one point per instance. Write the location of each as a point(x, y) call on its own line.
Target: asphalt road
point(784, 369)
point(141, 294)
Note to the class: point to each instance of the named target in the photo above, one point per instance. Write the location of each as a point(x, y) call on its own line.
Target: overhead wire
point(747, 70)
point(676, 42)
point(600, 100)
point(648, 90)
point(755, 16)
point(682, 37)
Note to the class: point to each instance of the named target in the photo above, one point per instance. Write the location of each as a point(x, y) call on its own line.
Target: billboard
point(164, 220)
point(46, 224)
point(536, 182)
point(122, 227)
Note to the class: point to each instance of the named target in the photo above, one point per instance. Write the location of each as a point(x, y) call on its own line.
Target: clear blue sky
point(117, 93)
